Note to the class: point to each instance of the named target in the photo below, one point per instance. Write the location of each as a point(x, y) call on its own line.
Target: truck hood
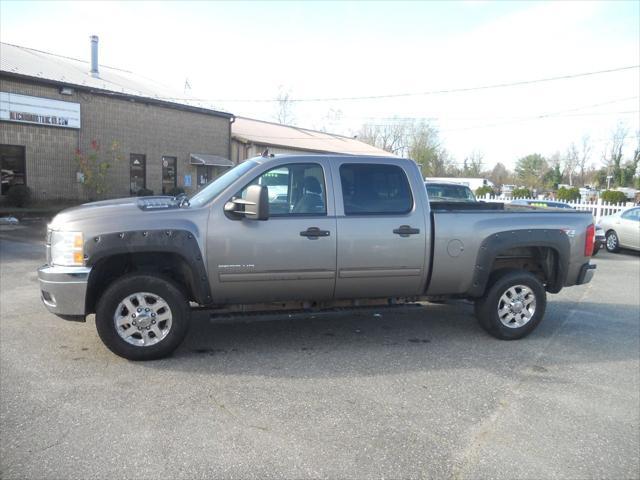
point(107, 209)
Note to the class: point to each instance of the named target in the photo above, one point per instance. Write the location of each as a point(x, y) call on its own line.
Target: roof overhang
point(114, 94)
point(210, 160)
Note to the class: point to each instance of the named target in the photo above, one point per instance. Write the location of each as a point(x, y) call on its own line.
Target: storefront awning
point(211, 160)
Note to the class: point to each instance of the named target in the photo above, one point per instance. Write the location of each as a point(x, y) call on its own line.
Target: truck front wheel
point(513, 306)
point(142, 317)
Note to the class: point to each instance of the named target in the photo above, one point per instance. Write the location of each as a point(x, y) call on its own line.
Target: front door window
point(296, 189)
point(138, 167)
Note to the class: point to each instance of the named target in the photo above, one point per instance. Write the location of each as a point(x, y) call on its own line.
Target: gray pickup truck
point(303, 232)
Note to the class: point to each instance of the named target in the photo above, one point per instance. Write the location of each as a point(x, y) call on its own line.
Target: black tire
point(486, 308)
point(612, 242)
point(127, 286)
point(596, 249)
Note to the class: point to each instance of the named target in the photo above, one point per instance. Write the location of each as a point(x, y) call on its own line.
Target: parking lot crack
point(59, 441)
point(238, 419)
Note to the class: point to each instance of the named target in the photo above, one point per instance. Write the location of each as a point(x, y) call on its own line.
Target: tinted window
point(297, 189)
point(374, 189)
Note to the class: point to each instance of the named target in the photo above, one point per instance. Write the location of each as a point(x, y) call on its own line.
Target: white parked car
point(622, 229)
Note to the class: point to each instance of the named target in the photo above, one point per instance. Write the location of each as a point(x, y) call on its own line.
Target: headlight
point(67, 249)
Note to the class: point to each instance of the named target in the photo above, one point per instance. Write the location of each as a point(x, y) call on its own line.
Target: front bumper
point(63, 290)
point(586, 273)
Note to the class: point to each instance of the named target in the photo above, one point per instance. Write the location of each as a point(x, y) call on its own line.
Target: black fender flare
point(180, 242)
point(492, 245)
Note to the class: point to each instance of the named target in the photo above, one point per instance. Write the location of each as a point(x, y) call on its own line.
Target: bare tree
point(473, 164)
point(419, 141)
point(393, 137)
point(585, 154)
point(571, 160)
point(612, 155)
point(284, 107)
point(500, 175)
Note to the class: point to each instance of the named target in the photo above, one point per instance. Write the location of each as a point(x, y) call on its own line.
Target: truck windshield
point(441, 192)
point(214, 188)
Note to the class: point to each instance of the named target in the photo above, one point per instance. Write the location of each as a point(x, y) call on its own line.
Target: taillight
point(589, 239)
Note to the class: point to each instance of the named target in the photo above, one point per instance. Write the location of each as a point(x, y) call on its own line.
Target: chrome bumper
point(63, 289)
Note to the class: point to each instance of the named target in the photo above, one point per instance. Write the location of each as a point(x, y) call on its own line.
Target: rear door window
point(375, 189)
point(633, 214)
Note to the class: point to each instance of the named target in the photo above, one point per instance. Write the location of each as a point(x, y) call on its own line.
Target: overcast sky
point(247, 51)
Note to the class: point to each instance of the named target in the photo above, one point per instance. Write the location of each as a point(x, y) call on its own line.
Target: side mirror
point(254, 207)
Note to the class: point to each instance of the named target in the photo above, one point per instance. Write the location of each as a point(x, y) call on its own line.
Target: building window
point(204, 173)
point(169, 174)
point(138, 170)
point(13, 168)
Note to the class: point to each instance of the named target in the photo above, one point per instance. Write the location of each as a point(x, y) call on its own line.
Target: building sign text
point(40, 111)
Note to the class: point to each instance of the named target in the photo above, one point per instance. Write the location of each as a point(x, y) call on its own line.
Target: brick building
point(52, 107)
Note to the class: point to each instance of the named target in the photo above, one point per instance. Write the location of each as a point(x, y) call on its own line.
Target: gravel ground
point(413, 393)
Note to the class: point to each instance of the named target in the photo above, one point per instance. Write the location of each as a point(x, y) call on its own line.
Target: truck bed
point(460, 233)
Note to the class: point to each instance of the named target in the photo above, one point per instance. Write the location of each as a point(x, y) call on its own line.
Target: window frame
point(143, 158)
point(169, 158)
point(291, 214)
point(635, 217)
point(23, 149)
point(412, 202)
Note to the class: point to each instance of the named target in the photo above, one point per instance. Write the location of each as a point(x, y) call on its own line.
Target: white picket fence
point(597, 208)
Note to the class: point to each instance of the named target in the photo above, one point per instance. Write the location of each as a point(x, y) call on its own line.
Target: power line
point(396, 118)
point(538, 117)
point(512, 121)
point(413, 94)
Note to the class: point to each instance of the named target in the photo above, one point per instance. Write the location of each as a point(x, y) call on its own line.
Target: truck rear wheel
point(513, 306)
point(142, 317)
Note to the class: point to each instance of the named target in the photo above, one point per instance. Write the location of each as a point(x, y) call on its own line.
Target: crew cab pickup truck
point(303, 232)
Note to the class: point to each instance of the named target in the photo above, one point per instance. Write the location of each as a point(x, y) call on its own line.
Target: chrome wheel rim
point(612, 241)
point(143, 319)
point(516, 306)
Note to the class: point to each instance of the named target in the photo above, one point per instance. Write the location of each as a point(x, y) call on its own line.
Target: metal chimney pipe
point(94, 56)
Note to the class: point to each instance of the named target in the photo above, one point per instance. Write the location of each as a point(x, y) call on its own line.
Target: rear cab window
point(375, 189)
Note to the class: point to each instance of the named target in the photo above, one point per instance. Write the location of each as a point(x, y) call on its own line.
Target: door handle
point(314, 233)
point(406, 230)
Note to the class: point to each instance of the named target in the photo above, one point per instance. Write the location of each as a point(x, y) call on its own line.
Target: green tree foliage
point(522, 193)
point(531, 170)
point(484, 190)
point(568, 194)
point(613, 196)
point(425, 149)
point(553, 177)
point(94, 167)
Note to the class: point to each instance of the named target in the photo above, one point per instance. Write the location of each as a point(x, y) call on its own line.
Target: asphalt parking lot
point(411, 393)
